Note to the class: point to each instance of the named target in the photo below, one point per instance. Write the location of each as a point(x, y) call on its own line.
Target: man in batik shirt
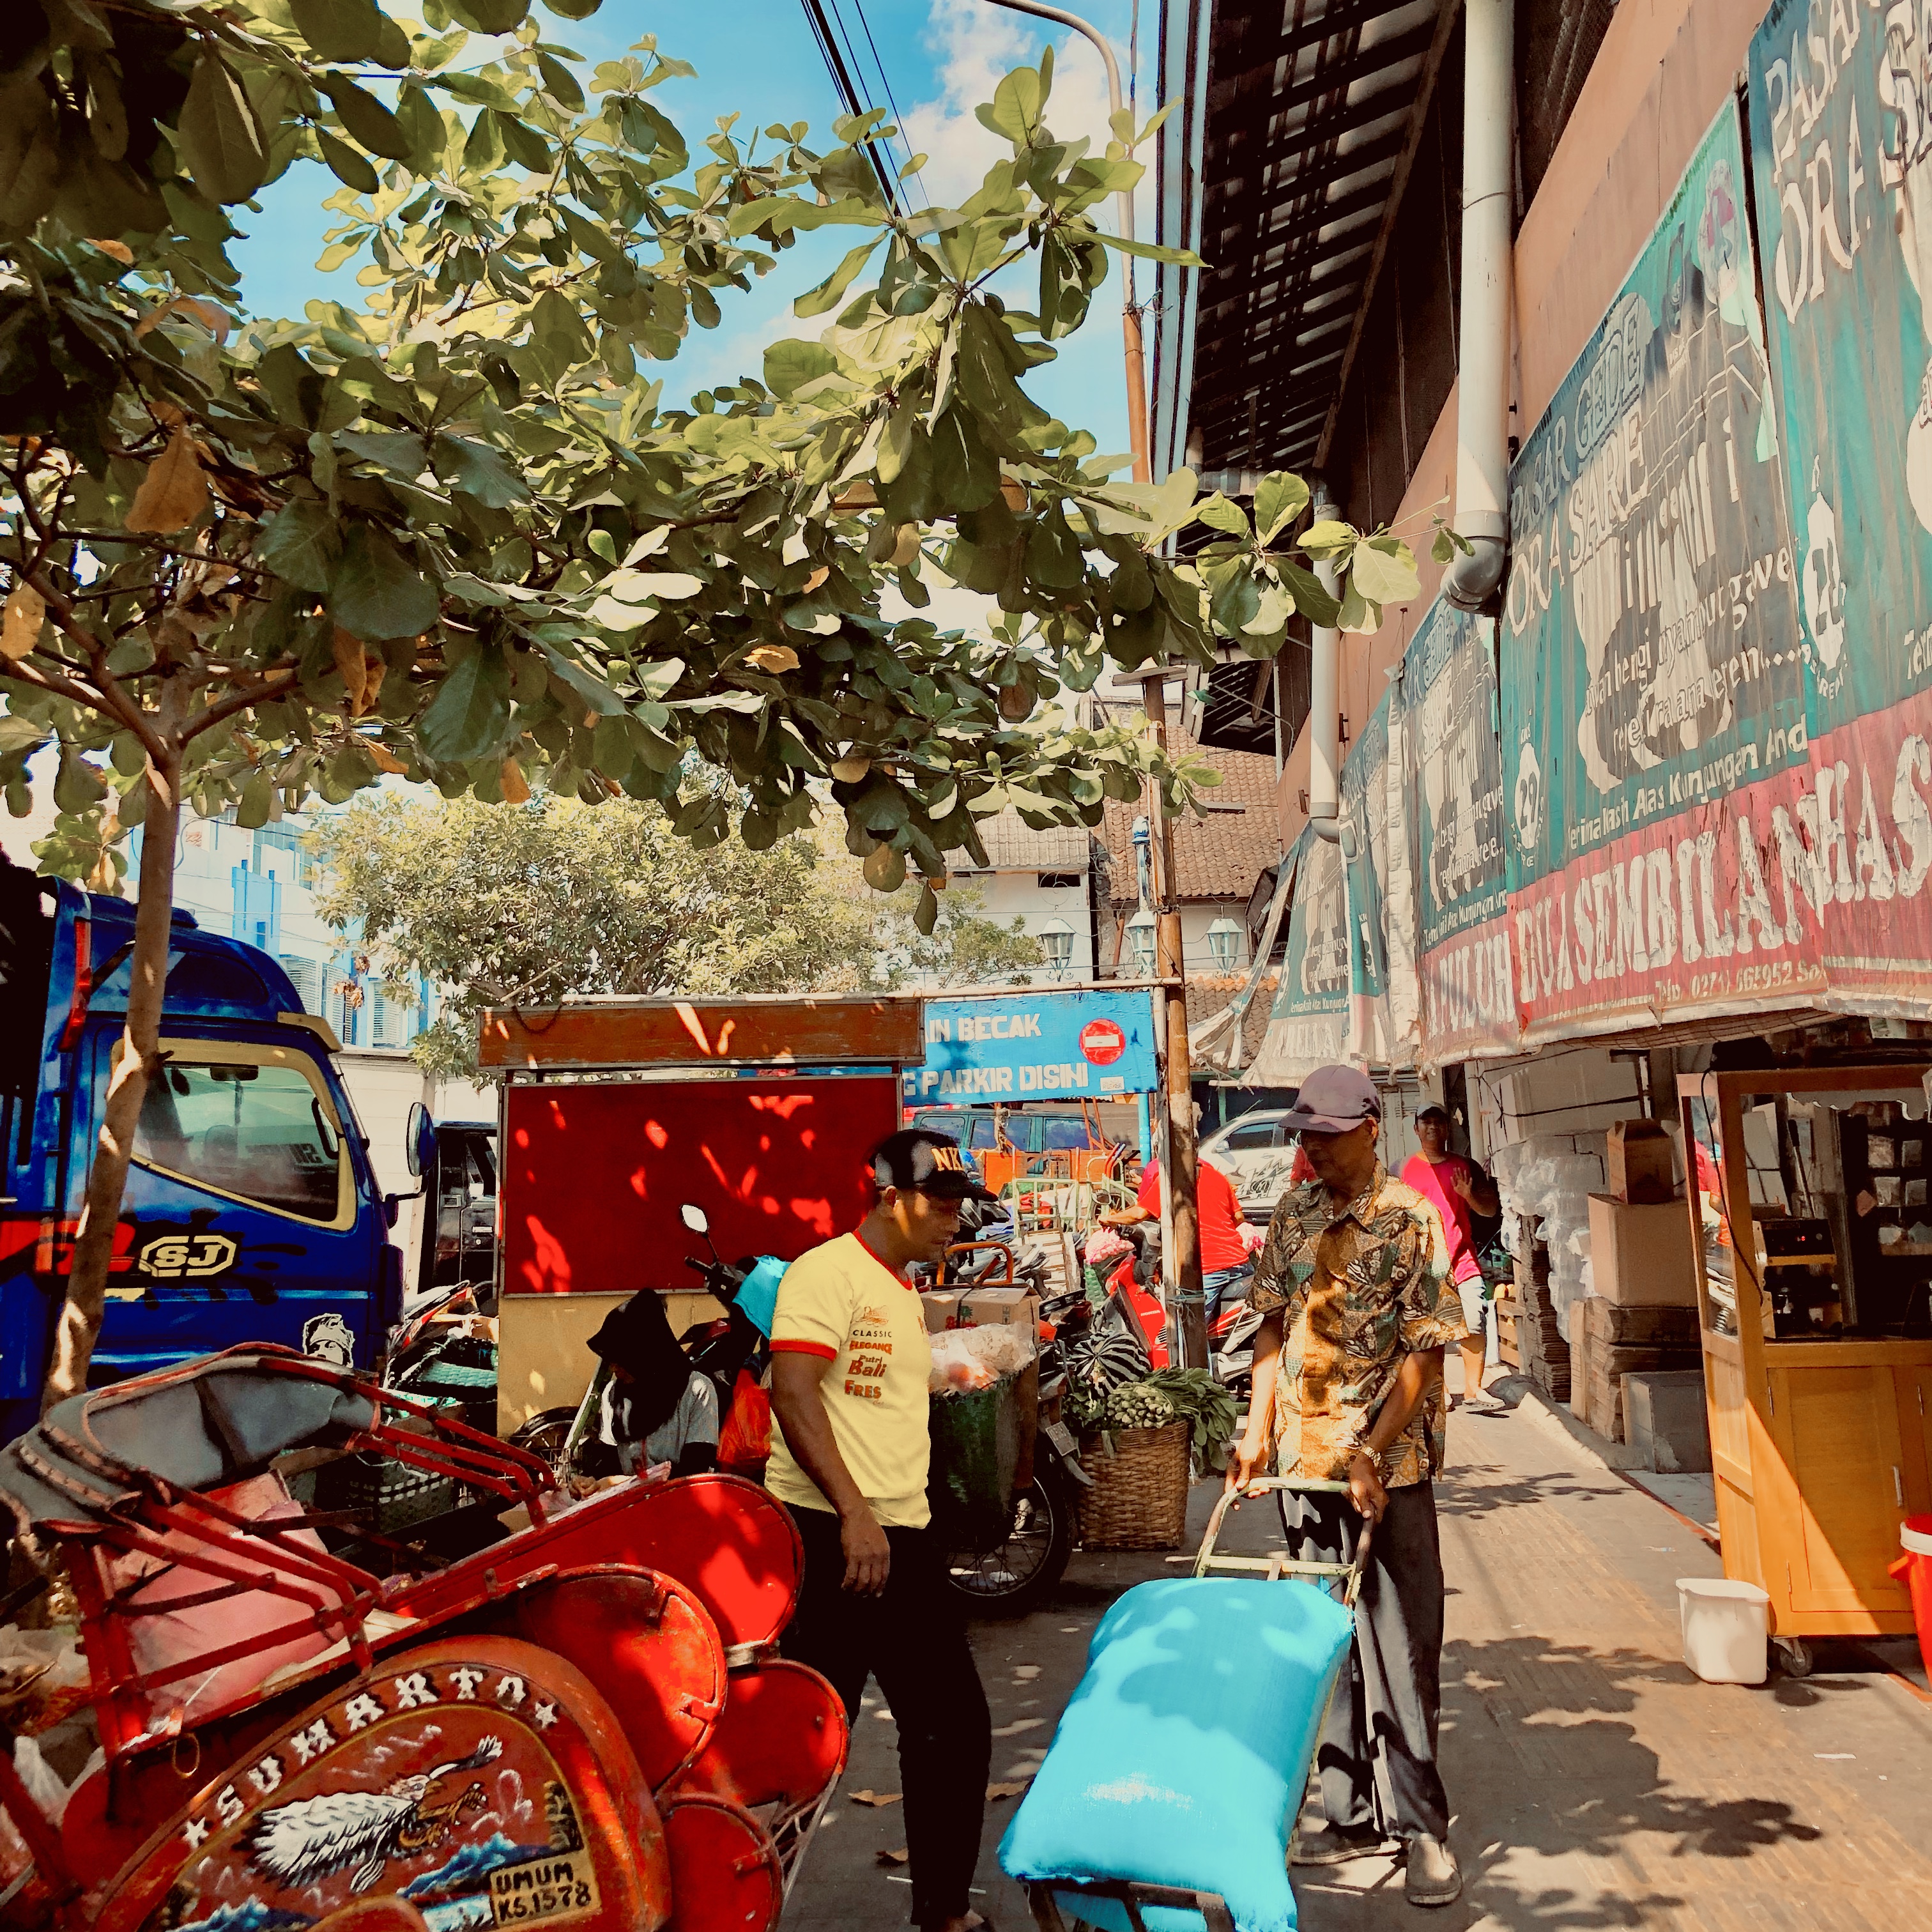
point(1347, 1387)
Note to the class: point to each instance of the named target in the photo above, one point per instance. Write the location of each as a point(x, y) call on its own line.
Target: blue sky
point(759, 58)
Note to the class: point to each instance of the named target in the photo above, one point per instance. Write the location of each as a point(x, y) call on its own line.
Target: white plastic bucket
point(1726, 1629)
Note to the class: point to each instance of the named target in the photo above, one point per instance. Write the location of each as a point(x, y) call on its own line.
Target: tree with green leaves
point(526, 905)
point(458, 535)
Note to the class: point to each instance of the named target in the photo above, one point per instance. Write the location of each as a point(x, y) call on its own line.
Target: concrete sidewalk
point(1596, 1783)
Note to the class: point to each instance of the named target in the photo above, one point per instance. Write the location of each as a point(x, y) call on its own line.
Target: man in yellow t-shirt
point(850, 1361)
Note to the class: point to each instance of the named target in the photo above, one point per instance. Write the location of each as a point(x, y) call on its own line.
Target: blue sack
point(1183, 1757)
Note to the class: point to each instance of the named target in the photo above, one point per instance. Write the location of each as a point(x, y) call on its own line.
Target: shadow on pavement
point(1542, 1775)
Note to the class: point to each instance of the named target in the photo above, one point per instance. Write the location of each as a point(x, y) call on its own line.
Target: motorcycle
point(731, 1350)
point(1230, 1337)
point(1011, 1576)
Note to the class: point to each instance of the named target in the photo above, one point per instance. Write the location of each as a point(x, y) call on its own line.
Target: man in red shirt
point(1226, 1267)
point(1458, 1190)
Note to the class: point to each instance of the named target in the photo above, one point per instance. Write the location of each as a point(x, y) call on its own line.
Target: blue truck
point(252, 1213)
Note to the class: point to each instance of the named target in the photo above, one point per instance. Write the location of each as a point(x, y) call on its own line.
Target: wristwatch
point(1377, 1457)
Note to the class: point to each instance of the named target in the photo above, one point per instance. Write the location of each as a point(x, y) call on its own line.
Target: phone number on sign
point(1765, 978)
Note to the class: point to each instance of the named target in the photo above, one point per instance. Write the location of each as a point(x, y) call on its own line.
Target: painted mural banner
point(1652, 654)
point(1382, 1006)
point(1453, 769)
point(1839, 104)
point(1309, 1025)
point(1840, 110)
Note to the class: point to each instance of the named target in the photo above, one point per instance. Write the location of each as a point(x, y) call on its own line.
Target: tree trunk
point(136, 1060)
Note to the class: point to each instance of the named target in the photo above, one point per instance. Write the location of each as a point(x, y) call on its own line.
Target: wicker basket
point(1139, 1497)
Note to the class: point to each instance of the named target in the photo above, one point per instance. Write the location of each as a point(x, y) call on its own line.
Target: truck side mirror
point(419, 1140)
point(695, 1219)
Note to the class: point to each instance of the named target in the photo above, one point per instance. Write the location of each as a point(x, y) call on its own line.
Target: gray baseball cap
point(1332, 1099)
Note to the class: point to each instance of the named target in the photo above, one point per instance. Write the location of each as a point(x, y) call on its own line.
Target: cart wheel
point(545, 1435)
point(1794, 1658)
point(725, 1871)
point(1014, 1575)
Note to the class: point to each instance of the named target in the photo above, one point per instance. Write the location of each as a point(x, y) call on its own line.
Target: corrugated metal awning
point(1281, 167)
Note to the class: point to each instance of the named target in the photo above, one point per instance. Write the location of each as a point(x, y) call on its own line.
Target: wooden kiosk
point(615, 1112)
point(1812, 1229)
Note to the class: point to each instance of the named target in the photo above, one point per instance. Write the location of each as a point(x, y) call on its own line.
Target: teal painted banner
point(1381, 887)
point(1456, 837)
point(1839, 101)
point(1309, 1025)
point(1365, 824)
point(1651, 650)
point(1448, 681)
point(1841, 131)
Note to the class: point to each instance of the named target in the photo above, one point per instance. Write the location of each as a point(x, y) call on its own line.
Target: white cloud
point(974, 47)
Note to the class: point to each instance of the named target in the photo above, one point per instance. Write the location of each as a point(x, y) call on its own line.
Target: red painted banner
point(1805, 888)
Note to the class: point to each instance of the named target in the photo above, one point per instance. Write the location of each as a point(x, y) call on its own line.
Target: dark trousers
point(912, 1638)
point(1377, 1755)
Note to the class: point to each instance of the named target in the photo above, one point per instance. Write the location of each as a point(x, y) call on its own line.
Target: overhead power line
point(885, 81)
point(851, 92)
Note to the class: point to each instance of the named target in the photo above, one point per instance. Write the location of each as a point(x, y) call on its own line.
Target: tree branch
point(214, 714)
point(23, 673)
point(115, 703)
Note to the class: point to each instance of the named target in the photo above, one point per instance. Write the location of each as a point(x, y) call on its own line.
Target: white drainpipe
point(1483, 379)
point(1325, 702)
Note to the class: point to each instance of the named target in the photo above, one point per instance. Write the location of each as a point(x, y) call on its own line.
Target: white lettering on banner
point(1909, 813)
point(1467, 988)
point(1718, 893)
point(969, 1028)
point(1816, 182)
point(966, 1083)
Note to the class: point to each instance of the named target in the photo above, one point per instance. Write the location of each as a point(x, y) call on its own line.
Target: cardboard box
point(983, 1306)
point(1639, 1162)
point(1663, 1414)
point(1641, 1254)
point(1618, 1324)
point(1609, 1341)
point(942, 1309)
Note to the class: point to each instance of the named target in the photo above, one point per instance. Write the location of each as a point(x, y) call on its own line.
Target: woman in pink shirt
point(1459, 1189)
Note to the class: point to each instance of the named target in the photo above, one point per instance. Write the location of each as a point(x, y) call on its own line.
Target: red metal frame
point(707, 1569)
point(303, 1577)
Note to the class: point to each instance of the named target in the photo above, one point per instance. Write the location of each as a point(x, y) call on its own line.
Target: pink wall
point(1665, 68)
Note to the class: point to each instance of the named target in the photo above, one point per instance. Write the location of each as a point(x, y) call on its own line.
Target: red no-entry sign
point(1102, 1042)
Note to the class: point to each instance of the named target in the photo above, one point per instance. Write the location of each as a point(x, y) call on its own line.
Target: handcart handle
point(968, 1247)
point(1274, 1568)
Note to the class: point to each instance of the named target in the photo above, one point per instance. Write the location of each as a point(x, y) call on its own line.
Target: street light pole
point(1130, 314)
point(1182, 1266)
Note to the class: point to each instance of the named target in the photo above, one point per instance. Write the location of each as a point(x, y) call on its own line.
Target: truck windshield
point(256, 1131)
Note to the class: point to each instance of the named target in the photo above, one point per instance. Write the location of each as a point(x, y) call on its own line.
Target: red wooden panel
point(781, 1739)
point(731, 1543)
point(593, 1176)
point(657, 1033)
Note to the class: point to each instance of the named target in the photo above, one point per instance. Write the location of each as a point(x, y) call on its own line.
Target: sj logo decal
point(187, 1257)
point(433, 1784)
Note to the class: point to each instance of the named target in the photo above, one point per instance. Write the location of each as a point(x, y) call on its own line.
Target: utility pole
point(1181, 1266)
point(1186, 1297)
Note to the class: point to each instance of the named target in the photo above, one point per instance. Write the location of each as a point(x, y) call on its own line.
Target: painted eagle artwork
point(298, 1843)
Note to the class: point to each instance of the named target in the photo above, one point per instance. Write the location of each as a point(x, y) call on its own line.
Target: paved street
point(1596, 1782)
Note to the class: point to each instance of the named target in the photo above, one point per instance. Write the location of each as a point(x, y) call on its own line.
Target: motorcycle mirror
point(695, 1219)
point(419, 1140)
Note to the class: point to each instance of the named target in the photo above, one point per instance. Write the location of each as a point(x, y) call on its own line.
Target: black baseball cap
point(928, 1162)
point(1333, 1100)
